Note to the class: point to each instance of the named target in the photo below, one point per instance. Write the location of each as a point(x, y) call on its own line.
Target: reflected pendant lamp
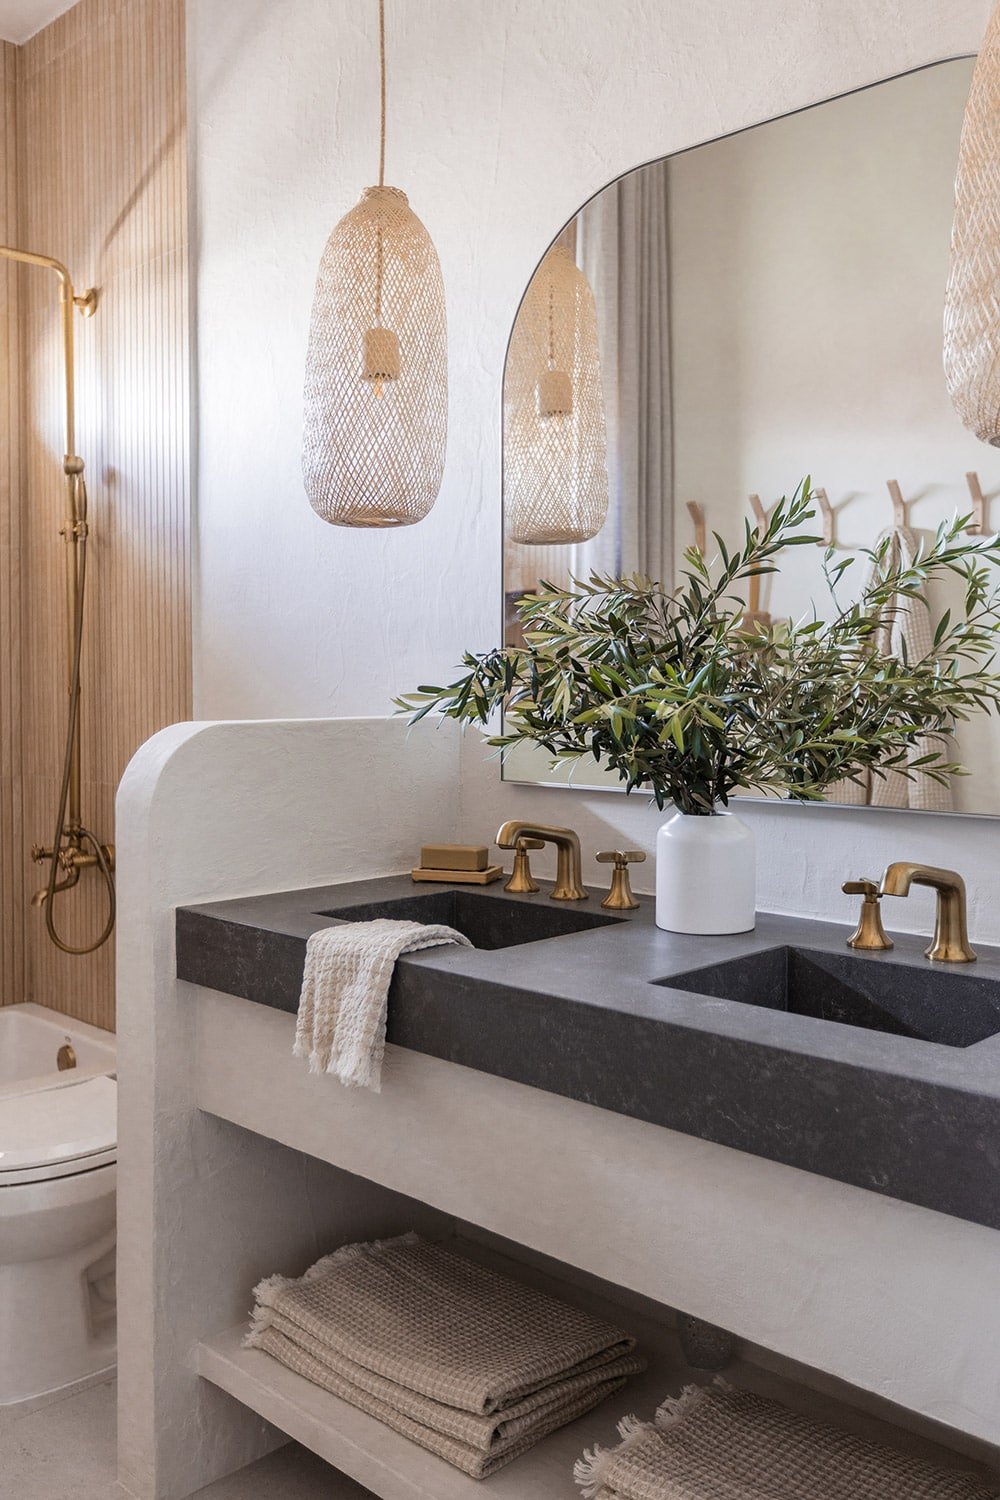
point(376, 387)
point(555, 434)
point(972, 304)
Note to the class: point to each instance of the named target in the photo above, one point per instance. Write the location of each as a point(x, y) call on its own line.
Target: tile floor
point(65, 1450)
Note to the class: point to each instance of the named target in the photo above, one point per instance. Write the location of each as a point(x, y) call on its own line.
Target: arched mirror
point(765, 306)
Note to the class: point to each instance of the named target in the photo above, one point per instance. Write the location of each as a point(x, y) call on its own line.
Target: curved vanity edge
point(592, 1016)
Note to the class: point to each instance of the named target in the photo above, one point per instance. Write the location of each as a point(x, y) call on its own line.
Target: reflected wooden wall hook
point(698, 517)
point(826, 511)
point(898, 503)
point(760, 514)
point(977, 526)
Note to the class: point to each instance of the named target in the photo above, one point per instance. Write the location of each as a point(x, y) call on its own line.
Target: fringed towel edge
point(590, 1471)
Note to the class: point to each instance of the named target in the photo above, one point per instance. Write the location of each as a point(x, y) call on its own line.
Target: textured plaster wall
point(211, 811)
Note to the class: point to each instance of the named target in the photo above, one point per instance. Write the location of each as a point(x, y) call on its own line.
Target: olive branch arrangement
point(684, 695)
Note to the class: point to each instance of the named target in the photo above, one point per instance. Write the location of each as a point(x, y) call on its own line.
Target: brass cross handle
point(620, 897)
point(869, 933)
point(521, 881)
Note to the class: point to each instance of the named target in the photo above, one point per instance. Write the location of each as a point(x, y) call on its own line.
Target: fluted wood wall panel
point(11, 914)
point(102, 186)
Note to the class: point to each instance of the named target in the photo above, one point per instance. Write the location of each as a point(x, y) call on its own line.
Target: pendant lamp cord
point(381, 60)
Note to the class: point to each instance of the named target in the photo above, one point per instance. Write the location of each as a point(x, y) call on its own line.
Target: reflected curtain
point(623, 250)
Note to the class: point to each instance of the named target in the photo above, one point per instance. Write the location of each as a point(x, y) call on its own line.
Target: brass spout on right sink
point(951, 939)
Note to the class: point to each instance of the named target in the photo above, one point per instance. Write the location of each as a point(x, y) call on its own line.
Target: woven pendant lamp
point(972, 300)
point(555, 437)
point(376, 388)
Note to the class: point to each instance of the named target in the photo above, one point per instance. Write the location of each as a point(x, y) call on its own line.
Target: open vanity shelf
point(390, 1465)
point(395, 1468)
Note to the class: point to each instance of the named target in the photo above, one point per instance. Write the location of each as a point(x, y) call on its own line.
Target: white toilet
point(58, 1149)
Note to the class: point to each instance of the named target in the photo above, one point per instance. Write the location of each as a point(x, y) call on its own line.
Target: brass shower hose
point(79, 837)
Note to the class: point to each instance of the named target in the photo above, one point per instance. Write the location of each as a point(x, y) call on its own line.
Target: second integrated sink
point(930, 1004)
point(487, 921)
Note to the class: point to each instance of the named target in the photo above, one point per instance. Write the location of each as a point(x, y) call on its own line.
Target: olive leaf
point(684, 696)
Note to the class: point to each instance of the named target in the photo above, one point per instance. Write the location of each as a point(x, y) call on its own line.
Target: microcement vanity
point(880, 1071)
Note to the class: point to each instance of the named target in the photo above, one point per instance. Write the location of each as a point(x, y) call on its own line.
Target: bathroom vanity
point(608, 1104)
point(882, 1071)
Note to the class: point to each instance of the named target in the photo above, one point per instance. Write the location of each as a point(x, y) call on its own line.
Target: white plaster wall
point(503, 119)
point(207, 811)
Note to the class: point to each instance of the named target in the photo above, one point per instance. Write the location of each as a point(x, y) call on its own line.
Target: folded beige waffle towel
point(480, 1431)
point(508, 1442)
point(345, 991)
point(717, 1443)
point(459, 1358)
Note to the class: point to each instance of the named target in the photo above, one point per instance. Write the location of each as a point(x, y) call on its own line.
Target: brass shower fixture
point(74, 847)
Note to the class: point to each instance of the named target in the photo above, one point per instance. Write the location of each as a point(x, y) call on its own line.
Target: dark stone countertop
point(593, 1016)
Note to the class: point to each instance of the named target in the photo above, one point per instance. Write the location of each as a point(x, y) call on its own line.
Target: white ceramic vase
point(706, 874)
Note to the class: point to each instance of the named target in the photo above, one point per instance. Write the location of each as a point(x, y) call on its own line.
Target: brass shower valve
point(71, 857)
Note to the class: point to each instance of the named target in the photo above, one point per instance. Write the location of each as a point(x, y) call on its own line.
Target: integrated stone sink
point(487, 921)
point(931, 1004)
point(902, 1097)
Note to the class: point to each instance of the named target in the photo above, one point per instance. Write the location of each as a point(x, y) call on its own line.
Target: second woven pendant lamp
point(376, 388)
point(555, 435)
point(972, 303)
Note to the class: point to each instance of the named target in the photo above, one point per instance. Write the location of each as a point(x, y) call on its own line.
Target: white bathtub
point(30, 1039)
point(58, 1164)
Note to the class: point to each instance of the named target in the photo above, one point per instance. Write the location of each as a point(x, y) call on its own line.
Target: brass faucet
point(569, 883)
point(951, 938)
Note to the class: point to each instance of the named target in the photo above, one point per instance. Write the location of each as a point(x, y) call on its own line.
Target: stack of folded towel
point(464, 1361)
point(717, 1443)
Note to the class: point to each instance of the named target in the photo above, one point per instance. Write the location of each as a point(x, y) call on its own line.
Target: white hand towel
point(345, 990)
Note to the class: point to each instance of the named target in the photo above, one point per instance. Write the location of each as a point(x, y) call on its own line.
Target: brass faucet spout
point(569, 872)
point(951, 937)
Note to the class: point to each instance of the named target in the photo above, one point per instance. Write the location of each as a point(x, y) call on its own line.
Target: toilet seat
point(58, 1132)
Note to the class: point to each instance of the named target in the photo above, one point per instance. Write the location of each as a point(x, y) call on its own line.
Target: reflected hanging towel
point(345, 993)
point(908, 634)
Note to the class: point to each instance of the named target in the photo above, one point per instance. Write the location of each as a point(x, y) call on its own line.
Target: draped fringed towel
point(345, 992)
point(905, 632)
point(464, 1361)
point(717, 1443)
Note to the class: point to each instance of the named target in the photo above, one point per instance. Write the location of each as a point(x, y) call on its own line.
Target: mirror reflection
point(748, 312)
